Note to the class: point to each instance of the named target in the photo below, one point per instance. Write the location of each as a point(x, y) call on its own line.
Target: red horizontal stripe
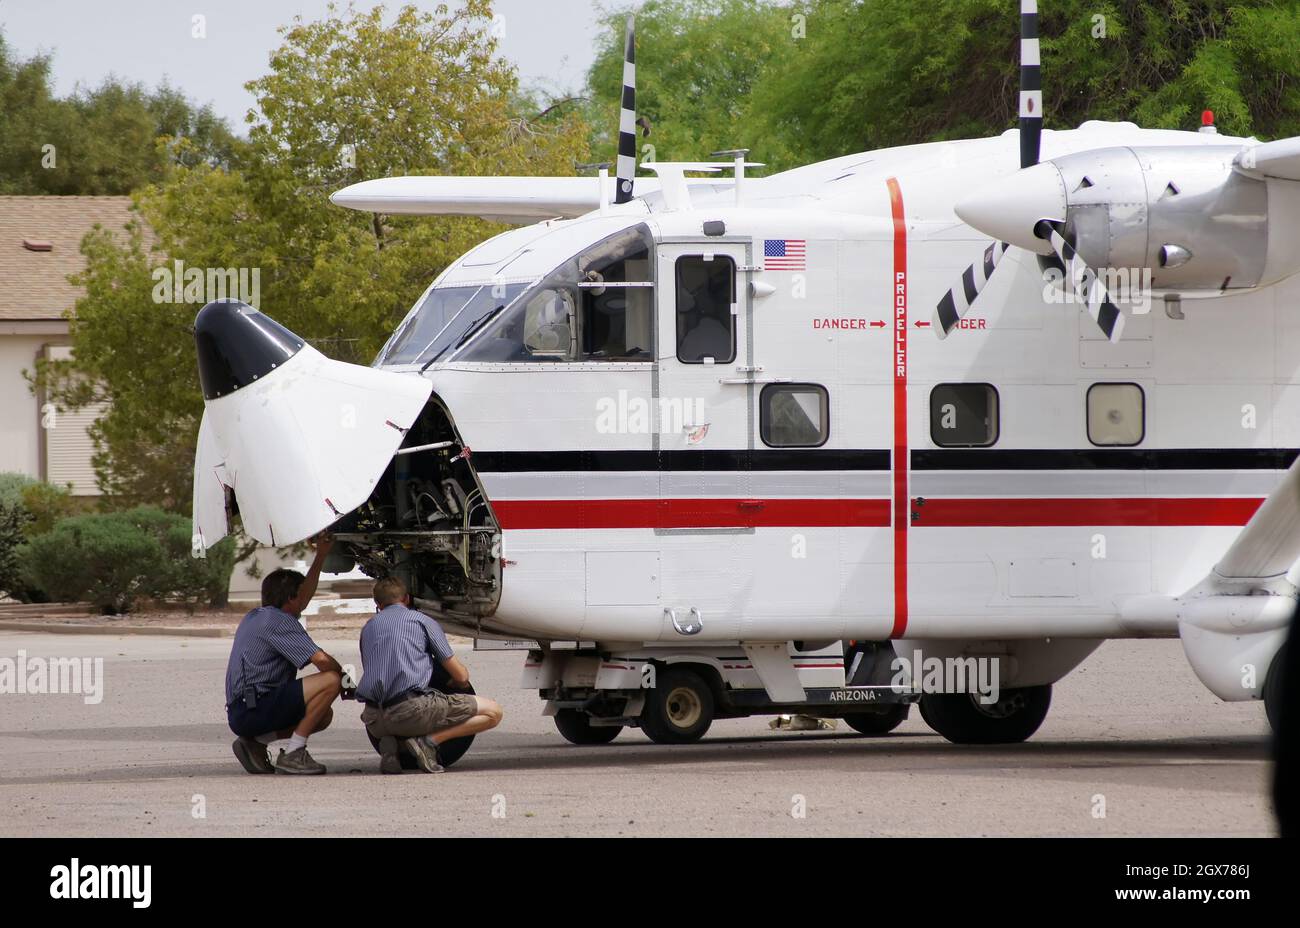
point(690, 513)
point(1148, 511)
point(871, 513)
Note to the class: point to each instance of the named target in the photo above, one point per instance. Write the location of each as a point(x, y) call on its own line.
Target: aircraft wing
point(507, 199)
point(1280, 159)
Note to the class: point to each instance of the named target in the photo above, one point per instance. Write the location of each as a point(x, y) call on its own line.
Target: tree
point(698, 62)
point(350, 97)
point(100, 141)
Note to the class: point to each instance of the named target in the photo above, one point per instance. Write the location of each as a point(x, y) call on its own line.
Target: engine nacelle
point(1200, 224)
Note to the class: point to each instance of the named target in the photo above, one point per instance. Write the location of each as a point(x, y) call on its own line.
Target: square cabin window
point(794, 415)
point(1116, 414)
point(964, 415)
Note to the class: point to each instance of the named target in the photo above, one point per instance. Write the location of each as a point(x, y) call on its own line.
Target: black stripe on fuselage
point(820, 459)
point(759, 459)
point(1104, 459)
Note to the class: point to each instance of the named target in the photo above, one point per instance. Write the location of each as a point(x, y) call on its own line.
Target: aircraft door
point(703, 437)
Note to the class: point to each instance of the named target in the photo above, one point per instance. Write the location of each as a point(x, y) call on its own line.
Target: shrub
point(46, 503)
point(105, 558)
point(113, 559)
point(12, 520)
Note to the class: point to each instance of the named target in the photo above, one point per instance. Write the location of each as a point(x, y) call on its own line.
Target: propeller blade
point(626, 166)
point(957, 302)
point(1078, 278)
point(1031, 85)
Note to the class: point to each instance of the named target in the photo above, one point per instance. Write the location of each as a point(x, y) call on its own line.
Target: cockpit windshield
point(597, 306)
point(444, 316)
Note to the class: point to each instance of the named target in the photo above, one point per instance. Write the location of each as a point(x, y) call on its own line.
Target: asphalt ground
point(1133, 745)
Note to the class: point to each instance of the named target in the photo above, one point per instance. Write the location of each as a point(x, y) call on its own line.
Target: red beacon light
point(1207, 121)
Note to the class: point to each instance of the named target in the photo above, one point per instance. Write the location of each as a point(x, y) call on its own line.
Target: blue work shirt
point(398, 647)
point(270, 648)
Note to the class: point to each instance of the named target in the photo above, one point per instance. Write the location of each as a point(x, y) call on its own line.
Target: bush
point(104, 558)
point(12, 520)
point(46, 503)
point(114, 559)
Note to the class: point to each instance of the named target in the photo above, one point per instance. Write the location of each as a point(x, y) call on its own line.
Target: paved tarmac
point(1132, 730)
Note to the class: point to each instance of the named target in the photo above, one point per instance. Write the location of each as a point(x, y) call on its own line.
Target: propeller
point(627, 121)
point(992, 208)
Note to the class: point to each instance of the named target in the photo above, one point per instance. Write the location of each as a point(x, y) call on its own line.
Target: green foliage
point(12, 485)
point(103, 138)
point(46, 504)
point(867, 75)
point(13, 519)
point(357, 95)
point(114, 559)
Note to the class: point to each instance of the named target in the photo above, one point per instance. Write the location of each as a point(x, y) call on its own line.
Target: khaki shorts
point(420, 715)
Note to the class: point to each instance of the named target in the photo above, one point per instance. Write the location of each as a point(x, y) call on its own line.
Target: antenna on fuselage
point(602, 177)
point(627, 118)
point(738, 156)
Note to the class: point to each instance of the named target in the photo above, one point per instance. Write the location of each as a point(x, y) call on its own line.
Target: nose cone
point(1008, 208)
point(238, 345)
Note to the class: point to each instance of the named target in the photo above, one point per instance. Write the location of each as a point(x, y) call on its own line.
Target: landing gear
point(575, 725)
point(877, 723)
point(679, 709)
point(963, 719)
point(1273, 688)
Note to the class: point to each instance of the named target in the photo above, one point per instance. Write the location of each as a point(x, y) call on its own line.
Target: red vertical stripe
point(902, 501)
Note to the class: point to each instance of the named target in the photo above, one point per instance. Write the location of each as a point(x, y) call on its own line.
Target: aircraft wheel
point(1273, 689)
point(679, 709)
point(877, 723)
point(576, 727)
point(449, 751)
point(963, 719)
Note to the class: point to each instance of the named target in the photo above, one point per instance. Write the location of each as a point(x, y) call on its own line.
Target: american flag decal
point(785, 254)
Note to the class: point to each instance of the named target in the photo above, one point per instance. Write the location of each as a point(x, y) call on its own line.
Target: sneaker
point(252, 754)
point(389, 762)
point(298, 761)
point(425, 753)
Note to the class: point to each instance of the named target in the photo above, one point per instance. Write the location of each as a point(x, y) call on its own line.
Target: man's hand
point(323, 542)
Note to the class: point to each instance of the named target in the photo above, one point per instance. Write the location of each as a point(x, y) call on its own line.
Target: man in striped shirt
point(398, 648)
point(265, 701)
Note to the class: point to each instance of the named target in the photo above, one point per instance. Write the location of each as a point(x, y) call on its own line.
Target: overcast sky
point(550, 41)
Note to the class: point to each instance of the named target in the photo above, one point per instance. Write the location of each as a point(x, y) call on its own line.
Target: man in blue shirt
point(398, 648)
point(265, 701)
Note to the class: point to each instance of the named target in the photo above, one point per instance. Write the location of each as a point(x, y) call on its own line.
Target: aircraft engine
point(1189, 214)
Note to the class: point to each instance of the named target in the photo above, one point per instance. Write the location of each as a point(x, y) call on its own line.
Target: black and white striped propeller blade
point(958, 301)
point(954, 305)
point(1078, 279)
point(626, 165)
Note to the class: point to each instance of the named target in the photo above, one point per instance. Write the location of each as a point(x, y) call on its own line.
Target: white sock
point(295, 742)
point(267, 738)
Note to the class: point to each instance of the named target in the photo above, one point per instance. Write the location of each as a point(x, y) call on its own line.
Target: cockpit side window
point(444, 316)
point(597, 306)
point(706, 291)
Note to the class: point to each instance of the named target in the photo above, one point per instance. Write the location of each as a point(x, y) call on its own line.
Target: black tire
point(449, 751)
point(678, 709)
point(878, 723)
point(1273, 689)
point(962, 719)
point(576, 727)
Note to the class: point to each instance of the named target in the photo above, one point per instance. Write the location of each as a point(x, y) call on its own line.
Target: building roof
point(34, 284)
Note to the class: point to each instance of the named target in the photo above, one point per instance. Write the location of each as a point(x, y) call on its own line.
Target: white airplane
point(702, 443)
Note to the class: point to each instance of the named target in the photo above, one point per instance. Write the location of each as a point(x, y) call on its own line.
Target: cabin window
point(596, 306)
point(964, 415)
point(441, 317)
point(794, 415)
point(706, 293)
point(1116, 414)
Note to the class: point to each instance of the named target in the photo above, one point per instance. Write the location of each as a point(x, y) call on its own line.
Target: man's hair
point(389, 590)
point(280, 586)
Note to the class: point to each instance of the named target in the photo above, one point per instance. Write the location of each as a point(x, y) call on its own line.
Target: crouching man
point(264, 699)
point(398, 648)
